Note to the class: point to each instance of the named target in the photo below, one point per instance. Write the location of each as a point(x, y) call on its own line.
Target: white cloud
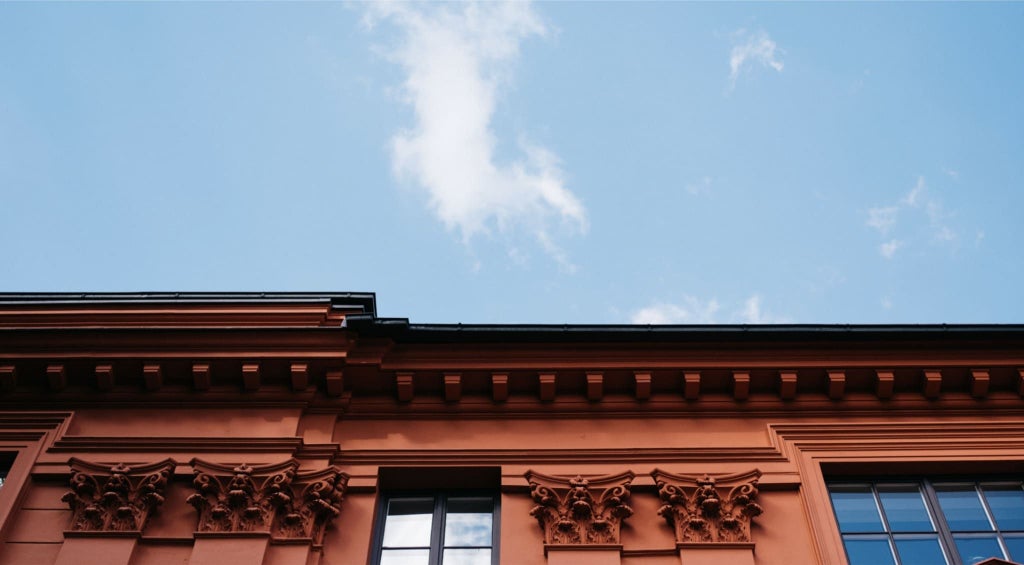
point(702, 186)
point(924, 212)
point(882, 219)
point(888, 249)
point(556, 253)
point(750, 49)
point(914, 196)
point(457, 60)
point(693, 310)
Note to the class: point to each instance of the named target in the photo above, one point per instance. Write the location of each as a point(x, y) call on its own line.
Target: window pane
point(975, 549)
point(408, 523)
point(405, 557)
point(468, 522)
point(920, 551)
point(962, 508)
point(1015, 545)
point(1007, 505)
point(868, 551)
point(467, 557)
point(855, 509)
point(904, 508)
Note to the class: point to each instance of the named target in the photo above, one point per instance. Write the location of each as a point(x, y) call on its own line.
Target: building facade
point(303, 429)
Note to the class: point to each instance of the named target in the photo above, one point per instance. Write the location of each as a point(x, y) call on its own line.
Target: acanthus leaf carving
point(706, 509)
point(240, 498)
point(318, 502)
point(578, 510)
point(117, 498)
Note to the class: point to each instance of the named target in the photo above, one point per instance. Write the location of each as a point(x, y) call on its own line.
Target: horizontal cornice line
point(768, 454)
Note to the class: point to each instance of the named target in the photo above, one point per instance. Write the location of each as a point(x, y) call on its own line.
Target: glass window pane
point(1015, 545)
point(1007, 505)
point(855, 508)
point(974, 549)
point(408, 522)
point(962, 508)
point(873, 551)
point(468, 522)
point(405, 557)
point(904, 508)
point(920, 551)
point(466, 557)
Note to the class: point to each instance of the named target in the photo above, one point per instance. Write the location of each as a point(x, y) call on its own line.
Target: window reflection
point(468, 522)
point(439, 529)
point(926, 523)
point(408, 522)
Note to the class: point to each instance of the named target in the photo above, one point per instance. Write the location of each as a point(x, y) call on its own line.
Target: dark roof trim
point(401, 330)
point(365, 301)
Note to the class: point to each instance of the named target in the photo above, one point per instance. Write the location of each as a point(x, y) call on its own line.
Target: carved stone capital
point(317, 502)
point(242, 498)
point(709, 509)
point(580, 511)
point(118, 498)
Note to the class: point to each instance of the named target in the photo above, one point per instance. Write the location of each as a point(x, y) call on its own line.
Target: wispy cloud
point(701, 186)
point(692, 310)
point(457, 61)
point(923, 211)
point(882, 219)
point(888, 249)
point(750, 49)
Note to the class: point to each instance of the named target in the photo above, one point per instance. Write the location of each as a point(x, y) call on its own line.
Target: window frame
point(926, 487)
point(979, 444)
point(440, 496)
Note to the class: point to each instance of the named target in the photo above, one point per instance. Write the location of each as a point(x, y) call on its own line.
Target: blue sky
point(547, 163)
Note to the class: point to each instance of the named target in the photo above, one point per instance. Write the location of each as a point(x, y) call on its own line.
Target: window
point(929, 522)
point(439, 528)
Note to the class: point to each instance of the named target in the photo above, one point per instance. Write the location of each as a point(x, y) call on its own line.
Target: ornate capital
point(709, 509)
point(308, 514)
point(242, 498)
point(580, 511)
point(115, 498)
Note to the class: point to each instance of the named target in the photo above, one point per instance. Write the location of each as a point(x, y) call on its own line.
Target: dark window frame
point(926, 485)
point(440, 497)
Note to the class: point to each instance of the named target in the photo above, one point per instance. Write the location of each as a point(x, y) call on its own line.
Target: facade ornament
point(709, 509)
point(317, 503)
point(242, 498)
point(579, 511)
point(116, 498)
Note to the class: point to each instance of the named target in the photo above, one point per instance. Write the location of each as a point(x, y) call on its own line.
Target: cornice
point(555, 456)
point(75, 444)
point(172, 343)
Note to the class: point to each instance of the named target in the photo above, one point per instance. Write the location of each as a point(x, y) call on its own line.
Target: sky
point(569, 162)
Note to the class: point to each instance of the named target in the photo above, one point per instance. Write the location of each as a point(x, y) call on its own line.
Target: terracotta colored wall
point(784, 534)
point(276, 389)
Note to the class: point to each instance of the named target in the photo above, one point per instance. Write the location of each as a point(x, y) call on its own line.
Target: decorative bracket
point(709, 509)
point(579, 511)
point(242, 498)
point(117, 498)
point(270, 498)
point(309, 514)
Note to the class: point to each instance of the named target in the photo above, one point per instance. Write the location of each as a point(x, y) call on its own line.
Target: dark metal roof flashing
point(364, 301)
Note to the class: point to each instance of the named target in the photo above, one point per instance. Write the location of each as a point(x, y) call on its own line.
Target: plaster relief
point(242, 498)
point(579, 511)
point(318, 503)
point(117, 498)
point(709, 509)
